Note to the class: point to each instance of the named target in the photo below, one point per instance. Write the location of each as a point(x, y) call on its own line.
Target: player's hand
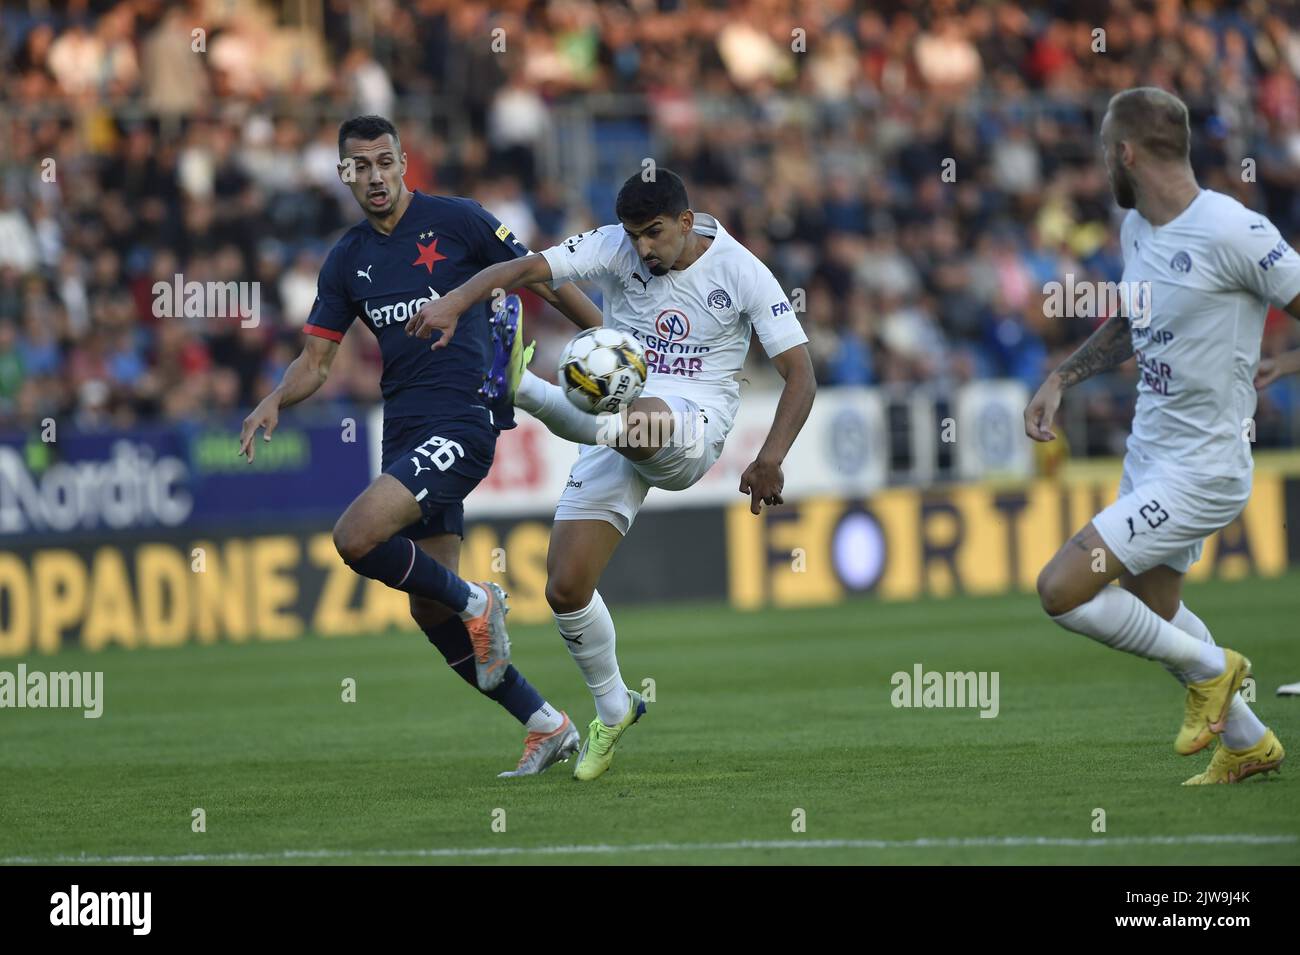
point(1041, 410)
point(440, 315)
point(1269, 371)
point(266, 416)
point(763, 482)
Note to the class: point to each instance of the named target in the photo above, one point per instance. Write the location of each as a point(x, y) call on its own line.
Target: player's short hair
point(640, 199)
point(366, 128)
point(1153, 118)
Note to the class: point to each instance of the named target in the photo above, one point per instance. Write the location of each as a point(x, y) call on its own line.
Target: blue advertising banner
point(177, 476)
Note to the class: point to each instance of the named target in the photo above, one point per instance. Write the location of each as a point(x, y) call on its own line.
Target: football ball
point(602, 369)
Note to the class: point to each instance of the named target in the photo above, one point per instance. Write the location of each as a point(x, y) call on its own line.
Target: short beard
point(1121, 187)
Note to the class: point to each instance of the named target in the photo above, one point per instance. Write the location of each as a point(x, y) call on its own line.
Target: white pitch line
point(995, 842)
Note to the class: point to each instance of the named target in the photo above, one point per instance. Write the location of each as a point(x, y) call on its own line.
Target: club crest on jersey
point(1181, 262)
point(672, 325)
point(719, 299)
point(429, 255)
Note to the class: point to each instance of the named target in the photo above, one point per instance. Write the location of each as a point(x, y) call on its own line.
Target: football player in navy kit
point(440, 434)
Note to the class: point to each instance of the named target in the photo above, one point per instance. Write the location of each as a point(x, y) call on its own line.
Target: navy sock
point(515, 694)
point(401, 565)
point(452, 640)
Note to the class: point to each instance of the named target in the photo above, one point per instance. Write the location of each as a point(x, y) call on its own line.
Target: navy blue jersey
point(439, 243)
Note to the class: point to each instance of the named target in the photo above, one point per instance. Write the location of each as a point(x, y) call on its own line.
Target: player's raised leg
point(551, 736)
point(546, 402)
point(638, 431)
point(578, 554)
point(367, 538)
point(1074, 592)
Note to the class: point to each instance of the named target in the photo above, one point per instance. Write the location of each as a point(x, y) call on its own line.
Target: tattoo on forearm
point(1108, 347)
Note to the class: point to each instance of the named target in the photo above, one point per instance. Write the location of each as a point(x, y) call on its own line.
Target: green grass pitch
point(756, 715)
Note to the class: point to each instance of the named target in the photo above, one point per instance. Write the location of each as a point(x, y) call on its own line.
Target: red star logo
point(429, 254)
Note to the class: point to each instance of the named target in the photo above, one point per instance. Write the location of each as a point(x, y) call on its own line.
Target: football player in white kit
point(1204, 270)
point(692, 295)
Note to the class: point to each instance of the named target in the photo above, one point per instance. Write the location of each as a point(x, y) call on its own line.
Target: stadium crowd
point(919, 171)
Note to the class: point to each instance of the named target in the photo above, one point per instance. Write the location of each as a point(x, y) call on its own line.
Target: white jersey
point(694, 323)
point(1212, 272)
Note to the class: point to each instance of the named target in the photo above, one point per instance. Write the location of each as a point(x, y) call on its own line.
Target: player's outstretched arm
point(763, 480)
point(302, 378)
point(443, 313)
point(1108, 347)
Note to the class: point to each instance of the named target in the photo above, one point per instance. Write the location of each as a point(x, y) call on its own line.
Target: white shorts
point(1158, 519)
point(606, 486)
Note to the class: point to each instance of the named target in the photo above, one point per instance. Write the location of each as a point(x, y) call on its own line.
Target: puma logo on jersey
point(366, 274)
point(418, 469)
point(1131, 531)
point(645, 283)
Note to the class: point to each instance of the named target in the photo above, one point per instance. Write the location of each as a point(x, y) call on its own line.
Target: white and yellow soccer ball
point(602, 369)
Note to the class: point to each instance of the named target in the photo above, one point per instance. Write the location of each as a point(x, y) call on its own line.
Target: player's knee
point(567, 596)
point(351, 541)
point(1054, 592)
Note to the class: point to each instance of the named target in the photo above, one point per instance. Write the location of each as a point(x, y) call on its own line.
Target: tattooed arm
point(1108, 347)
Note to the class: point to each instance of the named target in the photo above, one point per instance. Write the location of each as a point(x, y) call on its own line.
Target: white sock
point(589, 635)
point(478, 601)
point(1243, 728)
point(1118, 619)
point(546, 402)
point(547, 719)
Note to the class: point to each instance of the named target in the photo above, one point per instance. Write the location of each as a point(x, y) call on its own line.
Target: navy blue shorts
point(439, 460)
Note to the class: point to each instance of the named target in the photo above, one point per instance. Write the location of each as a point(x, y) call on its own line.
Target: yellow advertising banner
point(904, 543)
